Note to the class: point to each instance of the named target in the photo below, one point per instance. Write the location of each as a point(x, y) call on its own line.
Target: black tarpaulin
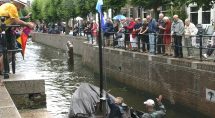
point(84, 100)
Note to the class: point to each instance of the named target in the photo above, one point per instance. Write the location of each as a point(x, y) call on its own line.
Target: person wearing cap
point(151, 112)
point(116, 109)
point(9, 10)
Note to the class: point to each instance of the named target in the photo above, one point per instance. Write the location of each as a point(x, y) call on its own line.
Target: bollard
point(70, 53)
point(200, 47)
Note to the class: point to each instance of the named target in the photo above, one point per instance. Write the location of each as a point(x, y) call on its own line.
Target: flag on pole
point(99, 6)
point(22, 39)
point(99, 9)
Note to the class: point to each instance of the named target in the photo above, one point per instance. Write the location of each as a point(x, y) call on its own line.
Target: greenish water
point(62, 80)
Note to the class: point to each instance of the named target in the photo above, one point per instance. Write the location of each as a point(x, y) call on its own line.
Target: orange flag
point(23, 38)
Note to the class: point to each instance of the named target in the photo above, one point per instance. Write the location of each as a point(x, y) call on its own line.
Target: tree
point(115, 5)
point(36, 9)
point(68, 12)
point(84, 7)
point(150, 4)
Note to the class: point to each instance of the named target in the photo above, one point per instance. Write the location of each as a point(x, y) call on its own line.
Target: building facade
point(202, 15)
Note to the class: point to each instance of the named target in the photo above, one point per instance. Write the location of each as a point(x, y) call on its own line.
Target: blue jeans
point(89, 38)
point(152, 42)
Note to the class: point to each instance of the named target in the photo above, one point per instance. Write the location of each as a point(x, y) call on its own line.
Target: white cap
point(149, 102)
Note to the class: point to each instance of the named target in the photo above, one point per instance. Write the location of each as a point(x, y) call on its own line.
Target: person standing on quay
point(177, 30)
point(167, 37)
point(152, 29)
point(190, 38)
point(10, 12)
point(160, 45)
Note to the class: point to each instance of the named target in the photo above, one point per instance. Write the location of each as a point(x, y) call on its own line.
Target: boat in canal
point(85, 103)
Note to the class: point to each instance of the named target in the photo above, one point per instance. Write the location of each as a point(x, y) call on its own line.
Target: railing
point(5, 50)
point(202, 41)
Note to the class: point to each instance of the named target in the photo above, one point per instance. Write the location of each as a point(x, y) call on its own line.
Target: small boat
point(85, 101)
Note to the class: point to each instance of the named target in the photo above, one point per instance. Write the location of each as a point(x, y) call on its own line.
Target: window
point(131, 12)
point(139, 12)
point(194, 15)
point(206, 15)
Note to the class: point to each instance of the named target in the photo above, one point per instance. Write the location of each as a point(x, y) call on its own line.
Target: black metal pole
point(155, 43)
point(125, 40)
point(4, 40)
point(200, 47)
point(100, 62)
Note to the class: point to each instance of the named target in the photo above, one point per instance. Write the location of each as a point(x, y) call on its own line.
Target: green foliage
point(179, 9)
point(24, 11)
point(148, 4)
point(36, 9)
point(115, 5)
point(68, 9)
point(84, 7)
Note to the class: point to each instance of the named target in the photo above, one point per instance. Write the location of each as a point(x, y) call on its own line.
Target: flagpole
point(100, 61)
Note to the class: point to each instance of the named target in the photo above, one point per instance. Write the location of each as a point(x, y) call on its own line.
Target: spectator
point(10, 11)
point(127, 35)
point(144, 37)
point(190, 38)
point(177, 30)
point(210, 45)
point(130, 28)
point(115, 30)
point(120, 34)
point(167, 37)
point(94, 32)
point(152, 29)
point(54, 30)
point(151, 112)
point(161, 25)
point(75, 30)
point(135, 33)
point(87, 31)
point(108, 30)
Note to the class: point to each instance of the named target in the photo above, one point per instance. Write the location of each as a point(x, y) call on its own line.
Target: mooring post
point(70, 53)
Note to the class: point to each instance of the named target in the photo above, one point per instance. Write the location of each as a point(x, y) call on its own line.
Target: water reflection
point(61, 81)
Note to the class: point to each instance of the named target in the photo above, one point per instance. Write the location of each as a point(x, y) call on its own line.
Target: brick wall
point(179, 80)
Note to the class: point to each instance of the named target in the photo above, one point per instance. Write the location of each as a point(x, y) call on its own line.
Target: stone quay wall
point(186, 82)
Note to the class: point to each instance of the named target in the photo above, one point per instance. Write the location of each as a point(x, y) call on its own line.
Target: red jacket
point(131, 26)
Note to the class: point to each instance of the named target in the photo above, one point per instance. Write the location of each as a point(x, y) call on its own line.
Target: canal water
point(61, 80)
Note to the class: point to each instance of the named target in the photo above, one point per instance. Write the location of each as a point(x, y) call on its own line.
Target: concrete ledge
point(27, 91)
point(25, 84)
point(7, 107)
point(35, 113)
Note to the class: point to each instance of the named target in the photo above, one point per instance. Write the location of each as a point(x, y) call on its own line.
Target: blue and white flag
point(99, 9)
point(99, 6)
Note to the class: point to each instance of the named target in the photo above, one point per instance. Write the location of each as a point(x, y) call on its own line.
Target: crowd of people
point(162, 36)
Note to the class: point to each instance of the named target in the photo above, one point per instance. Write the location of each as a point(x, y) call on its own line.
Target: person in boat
point(116, 108)
point(9, 10)
point(151, 112)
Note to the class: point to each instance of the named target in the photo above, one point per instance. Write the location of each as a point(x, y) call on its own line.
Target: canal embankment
point(22, 91)
point(181, 81)
point(7, 107)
